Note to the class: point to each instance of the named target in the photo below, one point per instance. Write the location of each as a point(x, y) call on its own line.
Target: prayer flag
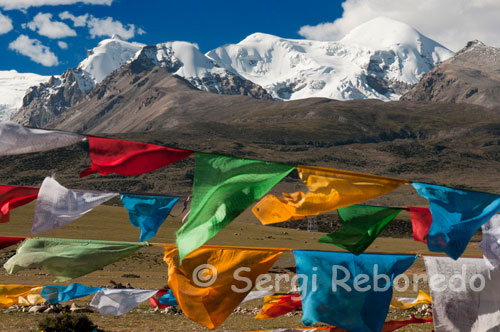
point(348, 291)
point(223, 188)
point(407, 303)
point(456, 216)
point(14, 196)
point(68, 258)
point(16, 139)
point(254, 295)
point(212, 281)
point(361, 224)
point(9, 294)
point(329, 189)
point(278, 305)
point(57, 294)
point(168, 299)
point(464, 294)
point(33, 297)
point(57, 206)
point(394, 325)
point(148, 212)
point(110, 301)
point(128, 158)
point(490, 244)
point(421, 220)
point(7, 241)
point(166, 295)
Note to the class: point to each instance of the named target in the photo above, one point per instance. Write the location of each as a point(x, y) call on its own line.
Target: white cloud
point(23, 4)
point(449, 22)
point(108, 27)
point(35, 50)
point(5, 24)
point(62, 45)
point(43, 24)
point(78, 21)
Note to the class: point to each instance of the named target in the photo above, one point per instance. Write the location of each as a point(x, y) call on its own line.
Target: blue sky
point(208, 23)
point(49, 36)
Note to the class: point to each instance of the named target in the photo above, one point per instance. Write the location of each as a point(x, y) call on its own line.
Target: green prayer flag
point(68, 258)
point(361, 224)
point(223, 188)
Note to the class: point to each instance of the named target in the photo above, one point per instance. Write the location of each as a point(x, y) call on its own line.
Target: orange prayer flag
point(212, 281)
point(402, 303)
point(329, 189)
point(278, 305)
point(12, 294)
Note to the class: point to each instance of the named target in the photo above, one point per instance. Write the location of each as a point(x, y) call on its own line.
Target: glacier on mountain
point(379, 59)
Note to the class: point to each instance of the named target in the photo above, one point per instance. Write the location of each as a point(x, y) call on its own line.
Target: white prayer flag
point(490, 245)
point(464, 294)
point(16, 139)
point(254, 295)
point(57, 206)
point(117, 302)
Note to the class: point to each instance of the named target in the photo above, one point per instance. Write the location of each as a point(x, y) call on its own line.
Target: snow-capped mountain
point(13, 86)
point(379, 59)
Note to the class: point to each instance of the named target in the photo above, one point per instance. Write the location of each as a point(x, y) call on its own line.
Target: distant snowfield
point(13, 86)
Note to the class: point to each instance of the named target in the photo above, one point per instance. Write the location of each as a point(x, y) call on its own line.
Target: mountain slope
point(472, 76)
point(379, 59)
point(13, 86)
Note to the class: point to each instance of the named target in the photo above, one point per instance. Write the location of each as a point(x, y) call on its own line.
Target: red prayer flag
point(278, 305)
point(7, 241)
point(393, 325)
point(154, 300)
point(14, 196)
point(421, 220)
point(128, 158)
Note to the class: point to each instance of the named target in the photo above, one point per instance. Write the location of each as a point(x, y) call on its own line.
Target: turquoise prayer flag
point(57, 294)
point(168, 299)
point(348, 291)
point(148, 212)
point(456, 216)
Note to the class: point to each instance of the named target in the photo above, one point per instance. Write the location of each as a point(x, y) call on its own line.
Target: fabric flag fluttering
point(421, 220)
point(464, 294)
point(57, 206)
point(10, 294)
point(128, 158)
point(208, 295)
point(7, 241)
point(68, 258)
point(254, 295)
point(490, 244)
point(33, 297)
point(456, 216)
point(361, 224)
point(14, 196)
point(329, 189)
point(223, 188)
point(116, 302)
point(278, 305)
point(333, 292)
point(148, 212)
point(58, 294)
point(407, 303)
point(16, 139)
point(167, 297)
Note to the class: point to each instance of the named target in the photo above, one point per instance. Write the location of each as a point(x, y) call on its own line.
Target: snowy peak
point(109, 55)
point(379, 59)
point(13, 86)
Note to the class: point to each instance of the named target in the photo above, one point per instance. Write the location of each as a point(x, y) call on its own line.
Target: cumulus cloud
point(99, 27)
point(35, 50)
point(5, 24)
point(78, 21)
point(43, 24)
point(449, 22)
point(24, 4)
point(62, 44)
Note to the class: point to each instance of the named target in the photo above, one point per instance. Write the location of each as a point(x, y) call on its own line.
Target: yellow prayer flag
point(33, 297)
point(422, 298)
point(329, 189)
point(212, 281)
point(11, 294)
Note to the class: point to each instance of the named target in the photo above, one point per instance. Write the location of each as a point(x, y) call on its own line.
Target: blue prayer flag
point(168, 299)
point(348, 291)
point(57, 294)
point(456, 216)
point(148, 212)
